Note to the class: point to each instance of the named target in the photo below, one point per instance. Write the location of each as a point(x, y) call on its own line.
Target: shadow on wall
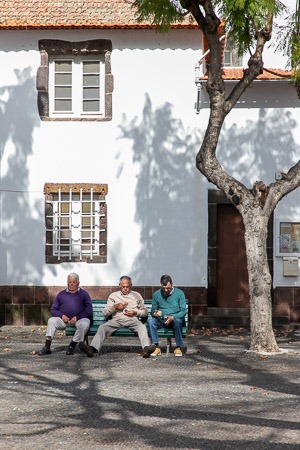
point(259, 148)
point(167, 193)
point(20, 258)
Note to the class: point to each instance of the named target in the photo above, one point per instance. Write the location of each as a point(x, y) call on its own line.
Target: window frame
point(77, 86)
point(50, 50)
point(231, 50)
point(72, 211)
point(287, 243)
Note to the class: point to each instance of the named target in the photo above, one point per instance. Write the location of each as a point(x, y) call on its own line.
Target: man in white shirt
point(126, 307)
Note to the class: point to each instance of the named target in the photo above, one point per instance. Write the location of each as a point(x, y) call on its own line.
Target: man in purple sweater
point(72, 306)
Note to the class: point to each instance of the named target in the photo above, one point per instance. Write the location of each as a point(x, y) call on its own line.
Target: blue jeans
point(155, 323)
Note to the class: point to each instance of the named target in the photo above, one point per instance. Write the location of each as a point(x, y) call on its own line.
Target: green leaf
point(161, 13)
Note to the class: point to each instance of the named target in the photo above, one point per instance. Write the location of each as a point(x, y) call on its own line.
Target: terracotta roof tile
point(43, 14)
point(233, 74)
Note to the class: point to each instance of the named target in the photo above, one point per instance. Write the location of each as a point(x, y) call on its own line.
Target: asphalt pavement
point(217, 396)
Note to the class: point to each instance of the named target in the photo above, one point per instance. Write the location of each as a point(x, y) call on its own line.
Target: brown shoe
point(87, 349)
point(148, 350)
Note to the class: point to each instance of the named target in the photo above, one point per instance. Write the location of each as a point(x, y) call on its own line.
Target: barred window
point(76, 223)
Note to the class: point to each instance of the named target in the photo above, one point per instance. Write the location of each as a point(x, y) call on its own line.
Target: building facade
point(98, 141)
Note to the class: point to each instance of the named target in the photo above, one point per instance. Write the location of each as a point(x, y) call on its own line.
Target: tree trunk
point(297, 87)
point(260, 282)
point(255, 204)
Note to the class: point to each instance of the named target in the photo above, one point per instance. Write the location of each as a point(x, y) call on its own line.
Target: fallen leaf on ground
point(223, 332)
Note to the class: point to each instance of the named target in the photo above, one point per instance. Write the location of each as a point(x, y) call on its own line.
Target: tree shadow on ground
point(82, 402)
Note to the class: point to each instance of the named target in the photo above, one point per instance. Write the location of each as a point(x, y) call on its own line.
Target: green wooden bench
point(98, 319)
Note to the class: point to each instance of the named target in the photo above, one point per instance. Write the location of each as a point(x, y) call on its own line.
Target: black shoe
point(44, 351)
point(148, 350)
point(70, 350)
point(87, 349)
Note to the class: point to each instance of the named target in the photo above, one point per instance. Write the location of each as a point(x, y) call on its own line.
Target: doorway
point(232, 274)
point(227, 266)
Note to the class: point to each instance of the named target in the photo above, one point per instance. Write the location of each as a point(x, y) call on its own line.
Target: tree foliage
point(161, 13)
point(289, 42)
point(244, 19)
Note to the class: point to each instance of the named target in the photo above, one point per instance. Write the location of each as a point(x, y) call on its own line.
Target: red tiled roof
point(269, 74)
point(233, 74)
point(47, 14)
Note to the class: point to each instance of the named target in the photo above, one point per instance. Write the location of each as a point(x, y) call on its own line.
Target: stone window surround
point(49, 47)
point(100, 190)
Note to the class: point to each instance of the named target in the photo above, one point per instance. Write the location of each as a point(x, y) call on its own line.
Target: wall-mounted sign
point(287, 237)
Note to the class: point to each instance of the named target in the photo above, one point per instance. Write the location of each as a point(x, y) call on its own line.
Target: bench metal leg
point(168, 345)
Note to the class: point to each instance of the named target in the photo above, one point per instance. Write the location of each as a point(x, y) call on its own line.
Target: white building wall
point(266, 142)
point(260, 137)
point(151, 228)
point(157, 200)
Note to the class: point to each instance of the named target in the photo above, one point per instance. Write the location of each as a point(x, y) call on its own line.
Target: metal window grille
point(75, 219)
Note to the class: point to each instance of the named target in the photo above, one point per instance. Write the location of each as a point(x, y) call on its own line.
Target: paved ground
point(216, 397)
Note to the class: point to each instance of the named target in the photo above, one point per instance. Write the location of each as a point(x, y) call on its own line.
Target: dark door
point(232, 275)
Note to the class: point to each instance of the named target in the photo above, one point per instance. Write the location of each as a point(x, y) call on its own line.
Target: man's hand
point(65, 318)
point(168, 319)
point(157, 313)
point(120, 306)
point(73, 321)
point(130, 313)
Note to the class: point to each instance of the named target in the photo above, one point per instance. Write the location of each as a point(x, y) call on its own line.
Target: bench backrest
point(98, 306)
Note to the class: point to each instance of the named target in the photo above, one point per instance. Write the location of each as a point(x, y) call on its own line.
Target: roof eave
point(94, 27)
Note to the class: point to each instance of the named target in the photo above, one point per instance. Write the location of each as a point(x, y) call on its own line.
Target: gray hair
point(73, 275)
point(126, 277)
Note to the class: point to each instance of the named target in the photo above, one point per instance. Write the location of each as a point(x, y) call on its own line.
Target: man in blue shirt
point(168, 311)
